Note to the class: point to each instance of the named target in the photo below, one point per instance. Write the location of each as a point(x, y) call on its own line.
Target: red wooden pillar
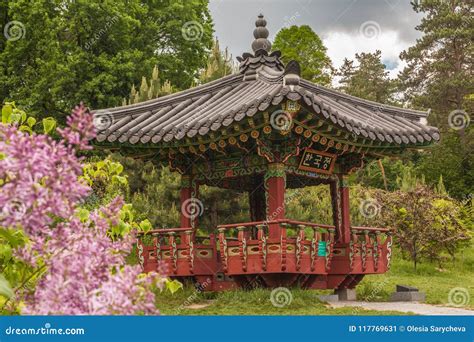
point(275, 182)
point(191, 207)
point(342, 217)
point(185, 198)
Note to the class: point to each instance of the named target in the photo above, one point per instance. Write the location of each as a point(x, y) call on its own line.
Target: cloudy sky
point(346, 26)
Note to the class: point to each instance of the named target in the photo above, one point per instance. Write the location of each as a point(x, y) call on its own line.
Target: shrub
point(425, 223)
point(59, 258)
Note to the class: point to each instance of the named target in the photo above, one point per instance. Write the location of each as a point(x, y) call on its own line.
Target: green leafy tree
point(72, 51)
point(368, 79)
point(302, 44)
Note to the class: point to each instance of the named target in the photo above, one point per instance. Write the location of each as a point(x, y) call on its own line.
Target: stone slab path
point(413, 307)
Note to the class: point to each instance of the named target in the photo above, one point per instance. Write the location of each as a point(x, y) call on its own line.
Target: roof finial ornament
point(261, 46)
point(261, 34)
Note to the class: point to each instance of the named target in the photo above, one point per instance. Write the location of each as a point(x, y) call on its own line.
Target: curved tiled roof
point(261, 83)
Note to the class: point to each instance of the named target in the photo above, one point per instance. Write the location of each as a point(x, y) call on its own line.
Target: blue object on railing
point(322, 248)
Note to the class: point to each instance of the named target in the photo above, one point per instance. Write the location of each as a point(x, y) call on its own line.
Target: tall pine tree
point(368, 80)
point(439, 76)
point(440, 64)
point(219, 64)
point(149, 89)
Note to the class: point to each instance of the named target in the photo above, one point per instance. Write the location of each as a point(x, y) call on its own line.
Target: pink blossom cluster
point(86, 273)
point(40, 192)
point(40, 178)
point(80, 129)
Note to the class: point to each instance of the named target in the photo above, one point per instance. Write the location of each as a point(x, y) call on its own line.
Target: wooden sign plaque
point(317, 161)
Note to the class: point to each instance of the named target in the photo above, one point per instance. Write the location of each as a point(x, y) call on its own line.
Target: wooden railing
point(364, 241)
point(321, 233)
point(185, 236)
point(369, 239)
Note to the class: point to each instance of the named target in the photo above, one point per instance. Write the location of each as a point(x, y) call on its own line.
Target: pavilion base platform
point(305, 256)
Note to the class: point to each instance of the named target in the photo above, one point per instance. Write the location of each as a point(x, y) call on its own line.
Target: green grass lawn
point(255, 302)
point(436, 283)
point(428, 278)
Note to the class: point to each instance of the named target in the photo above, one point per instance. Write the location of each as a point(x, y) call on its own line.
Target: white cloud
point(342, 45)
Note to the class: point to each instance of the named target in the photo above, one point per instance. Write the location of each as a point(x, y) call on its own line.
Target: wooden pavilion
point(261, 131)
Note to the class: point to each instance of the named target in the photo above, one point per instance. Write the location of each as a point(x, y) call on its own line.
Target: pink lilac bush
point(41, 180)
point(85, 272)
point(86, 275)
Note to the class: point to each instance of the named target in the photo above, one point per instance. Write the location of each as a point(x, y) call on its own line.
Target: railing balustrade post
point(376, 250)
point(223, 248)
point(299, 249)
point(329, 248)
point(314, 247)
point(262, 245)
point(353, 248)
point(283, 245)
point(190, 248)
point(389, 249)
point(157, 244)
point(363, 252)
point(174, 256)
point(242, 247)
